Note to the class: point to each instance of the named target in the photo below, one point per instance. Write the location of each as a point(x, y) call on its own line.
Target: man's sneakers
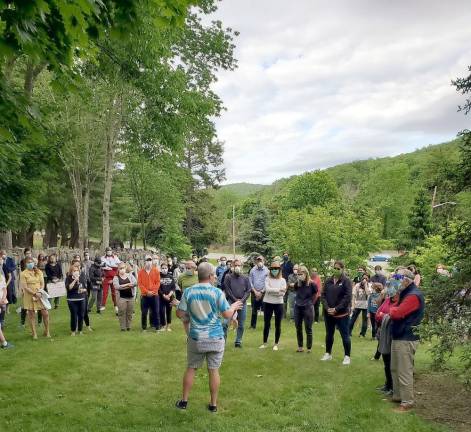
point(326, 357)
point(181, 404)
point(346, 361)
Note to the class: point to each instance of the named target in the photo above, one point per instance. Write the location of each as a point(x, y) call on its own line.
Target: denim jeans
point(241, 315)
point(291, 301)
point(364, 320)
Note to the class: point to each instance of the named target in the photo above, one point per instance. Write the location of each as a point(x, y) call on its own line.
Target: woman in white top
point(275, 289)
point(360, 293)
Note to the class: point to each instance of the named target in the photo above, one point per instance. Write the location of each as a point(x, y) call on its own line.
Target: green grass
point(113, 381)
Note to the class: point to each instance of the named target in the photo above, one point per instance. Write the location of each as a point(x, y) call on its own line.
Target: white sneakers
point(275, 347)
point(328, 357)
point(263, 346)
point(102, 308)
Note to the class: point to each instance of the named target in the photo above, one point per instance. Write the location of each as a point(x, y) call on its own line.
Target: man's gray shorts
point(210, 349)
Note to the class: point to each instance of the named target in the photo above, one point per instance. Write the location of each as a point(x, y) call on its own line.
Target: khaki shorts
point(210, 349)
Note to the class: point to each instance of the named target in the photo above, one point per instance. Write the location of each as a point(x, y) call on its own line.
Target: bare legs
point(32, 322)
point(214, 382)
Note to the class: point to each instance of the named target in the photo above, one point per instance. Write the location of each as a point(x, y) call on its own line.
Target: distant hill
point(243, 190)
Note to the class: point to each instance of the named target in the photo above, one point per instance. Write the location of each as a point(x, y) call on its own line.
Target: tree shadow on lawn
point(443, 399)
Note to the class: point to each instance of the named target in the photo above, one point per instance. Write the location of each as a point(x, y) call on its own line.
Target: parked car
point(380, 258)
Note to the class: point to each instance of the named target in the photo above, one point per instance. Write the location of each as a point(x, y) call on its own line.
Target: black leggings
point(387, 371)
point(165, 310)
point(268, 309)
point(77, 309)
point(364, 320)
point(306, 314)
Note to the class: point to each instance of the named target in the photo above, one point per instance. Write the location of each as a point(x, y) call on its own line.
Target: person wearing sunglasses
point(275, 289)
point(336, 300)
point(148, 280)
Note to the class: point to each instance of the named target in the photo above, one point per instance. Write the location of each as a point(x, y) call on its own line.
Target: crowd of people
point(210, 300)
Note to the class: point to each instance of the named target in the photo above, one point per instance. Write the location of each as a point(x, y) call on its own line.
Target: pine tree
point(420, 222)
point(255, 238)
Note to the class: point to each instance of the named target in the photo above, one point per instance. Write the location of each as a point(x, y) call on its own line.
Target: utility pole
point(233, 231)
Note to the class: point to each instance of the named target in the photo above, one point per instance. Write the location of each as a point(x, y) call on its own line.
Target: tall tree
point(420, 218)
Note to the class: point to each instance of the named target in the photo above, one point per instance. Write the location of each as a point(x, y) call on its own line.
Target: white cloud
point(323, 82)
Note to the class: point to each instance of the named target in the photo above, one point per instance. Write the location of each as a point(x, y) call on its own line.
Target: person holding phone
point(76, 286)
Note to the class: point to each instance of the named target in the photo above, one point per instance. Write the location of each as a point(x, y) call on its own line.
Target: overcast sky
point(325, 82)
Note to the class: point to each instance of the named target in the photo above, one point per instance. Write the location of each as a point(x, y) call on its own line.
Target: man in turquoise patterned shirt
point(200, 307)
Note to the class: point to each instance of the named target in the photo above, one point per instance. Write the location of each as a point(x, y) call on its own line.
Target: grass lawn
point(113, 381)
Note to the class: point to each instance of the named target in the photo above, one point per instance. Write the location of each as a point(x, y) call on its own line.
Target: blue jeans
point(241, 314)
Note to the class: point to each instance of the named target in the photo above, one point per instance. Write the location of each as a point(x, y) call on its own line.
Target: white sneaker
point(326, 357)
point(346, 361)
point(102, 308)
point(275, 347)
point(116, 309)
point(263, 346)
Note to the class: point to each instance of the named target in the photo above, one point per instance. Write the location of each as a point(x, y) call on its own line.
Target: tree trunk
point(50, 239)
point(6, 239)
point(74, 232)
point(86, 205)
point(113, 128)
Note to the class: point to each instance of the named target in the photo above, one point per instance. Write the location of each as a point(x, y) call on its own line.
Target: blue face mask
point(274, 272)
point(30, 266)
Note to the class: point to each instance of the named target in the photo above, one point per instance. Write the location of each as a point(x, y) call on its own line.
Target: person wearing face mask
point(378, 277)
point(189, 277)
point(166, 294)
point(110, 267)
point(125, 286)
point(76, 286)
point(149, 284)
point(220, 269)
point(257, 277)
point(96, 277)
point(406, 314)
point(177, 272)
point(31, 282)
point(305, 291)
point(315, 278)
point(53, 274)
point(383, 324)
point(27, 254)
point(336, 299)
point(9, 269)
point(275, 289)
point(86, 265)
point(361, 292)
point(237, 288)
point(292, 279)
point(156, 261)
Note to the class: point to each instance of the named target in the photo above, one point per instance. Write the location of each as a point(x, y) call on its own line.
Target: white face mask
point(164, 271)
point(148, 264)
point(109, 253)
point(302, 277)
point(237, 270)
point(259, 264)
